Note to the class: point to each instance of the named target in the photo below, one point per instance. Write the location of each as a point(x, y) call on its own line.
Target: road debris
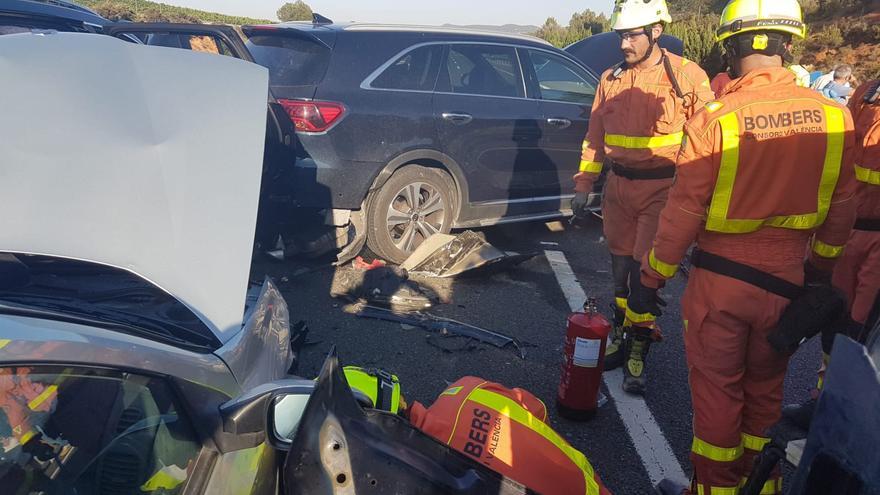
point(442, 326)
point(384, 286)
point(444, 255)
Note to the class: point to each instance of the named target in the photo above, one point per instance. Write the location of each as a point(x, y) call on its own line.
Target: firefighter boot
point(635, 348)
point(614, 348)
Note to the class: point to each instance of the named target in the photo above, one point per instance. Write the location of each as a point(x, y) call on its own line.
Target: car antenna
point(320, 20)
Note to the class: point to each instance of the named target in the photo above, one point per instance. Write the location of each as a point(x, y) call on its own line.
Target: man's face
point(634, 43)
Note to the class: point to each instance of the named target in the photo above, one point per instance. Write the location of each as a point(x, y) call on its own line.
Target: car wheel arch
point(429, 159)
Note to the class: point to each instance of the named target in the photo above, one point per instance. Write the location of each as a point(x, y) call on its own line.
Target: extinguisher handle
point(591, 306)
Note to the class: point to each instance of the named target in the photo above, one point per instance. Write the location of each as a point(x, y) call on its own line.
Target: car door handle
point(560, 123)
point(458, 118)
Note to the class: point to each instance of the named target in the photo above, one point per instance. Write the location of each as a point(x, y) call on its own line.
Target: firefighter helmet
point(743, 16)
point(632, 14)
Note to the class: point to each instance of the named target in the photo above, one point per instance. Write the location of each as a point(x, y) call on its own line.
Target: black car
point(25, 15)
point(423, 130)
point(405, 130)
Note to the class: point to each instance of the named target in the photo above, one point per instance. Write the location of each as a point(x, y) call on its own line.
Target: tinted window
point(561, 80)
point(415, 70)
point(291, 61)
point(194, 42)
point(66, 430)
point(484, 70)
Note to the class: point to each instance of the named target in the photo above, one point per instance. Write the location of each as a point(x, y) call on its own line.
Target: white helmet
point(632, 14)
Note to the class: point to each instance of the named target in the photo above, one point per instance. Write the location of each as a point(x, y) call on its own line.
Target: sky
point(434, 12)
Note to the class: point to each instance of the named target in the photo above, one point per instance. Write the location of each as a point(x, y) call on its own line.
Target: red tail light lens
point(312, 116)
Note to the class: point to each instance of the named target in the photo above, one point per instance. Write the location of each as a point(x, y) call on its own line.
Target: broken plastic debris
point(443, 255)
point(442, 326)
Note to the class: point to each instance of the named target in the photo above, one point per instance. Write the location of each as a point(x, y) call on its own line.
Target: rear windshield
point(291, 61)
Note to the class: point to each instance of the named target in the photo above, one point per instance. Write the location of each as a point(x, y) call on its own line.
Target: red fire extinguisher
point(583, 363)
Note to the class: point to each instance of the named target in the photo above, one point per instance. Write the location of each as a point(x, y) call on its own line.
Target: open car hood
point(143, 158)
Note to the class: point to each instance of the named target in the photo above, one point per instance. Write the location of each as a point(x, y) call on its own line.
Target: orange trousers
point(735, 377)
point(857, 273)
point(631, 212)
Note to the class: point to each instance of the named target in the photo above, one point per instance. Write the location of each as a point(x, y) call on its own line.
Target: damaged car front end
point(134, 357)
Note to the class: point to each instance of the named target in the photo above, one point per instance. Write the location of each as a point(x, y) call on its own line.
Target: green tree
point(298, 11)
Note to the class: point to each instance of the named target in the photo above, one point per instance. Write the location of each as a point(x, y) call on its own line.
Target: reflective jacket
point(762, 169)
point(637, 117)
point(506, 430)
point(867, 122)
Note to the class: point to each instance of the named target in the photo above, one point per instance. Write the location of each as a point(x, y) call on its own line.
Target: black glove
point(644, 300)
point(820, 308)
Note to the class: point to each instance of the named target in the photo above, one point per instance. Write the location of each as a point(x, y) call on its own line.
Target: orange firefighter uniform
point(858, 272)
point(636, 126)
point(765, 172)
point(506, 430)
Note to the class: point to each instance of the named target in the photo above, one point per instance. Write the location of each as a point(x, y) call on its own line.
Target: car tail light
point(313, 116)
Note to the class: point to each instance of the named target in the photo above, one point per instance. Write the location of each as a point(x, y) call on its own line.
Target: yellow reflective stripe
point(868, 176)
point(27, 437)
point(827, 250)
point(726, 174)
point(591, 167)
point(458, 414)
point(717, 490)
point(715, 453)
point(516, 412)
point(719, 208)
point(4, 343)
point(639, 317)
point(46, 394)
point(833, 159)
point(621, 302)
point(722, 490)
point(665, 269)
point(820, 383)
point(754, 443)
point(638, 142)
point(585, 145)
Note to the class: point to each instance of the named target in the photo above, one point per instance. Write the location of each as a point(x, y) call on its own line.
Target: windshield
point(105, 296)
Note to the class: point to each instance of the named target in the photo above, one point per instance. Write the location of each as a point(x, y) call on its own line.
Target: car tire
point(415, 203)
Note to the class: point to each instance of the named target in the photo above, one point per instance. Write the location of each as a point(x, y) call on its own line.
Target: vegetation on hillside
point(840, 31)
point(147, 11)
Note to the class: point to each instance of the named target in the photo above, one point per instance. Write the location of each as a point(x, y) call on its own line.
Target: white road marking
point(544, 243)
point(650, 443)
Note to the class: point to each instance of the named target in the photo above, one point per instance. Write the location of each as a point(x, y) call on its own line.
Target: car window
point(484, 70)
point(291, 61)
point(415, 70)
point(69, 430)
point(195, 42)
point(561, 80)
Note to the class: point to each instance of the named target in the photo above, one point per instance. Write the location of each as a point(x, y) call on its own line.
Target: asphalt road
point(525, 302)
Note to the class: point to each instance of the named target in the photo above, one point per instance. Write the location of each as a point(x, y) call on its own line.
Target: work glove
point(643, 300)
point(820, 308)
point(579, 204)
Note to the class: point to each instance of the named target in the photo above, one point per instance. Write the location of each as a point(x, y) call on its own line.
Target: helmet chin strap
point(649, 32)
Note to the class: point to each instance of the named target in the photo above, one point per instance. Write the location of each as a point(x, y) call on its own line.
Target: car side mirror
point(270, 411)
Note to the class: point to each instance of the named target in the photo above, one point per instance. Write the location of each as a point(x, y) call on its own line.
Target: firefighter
point(765, 174)
point(858, 273)
point(636, 127)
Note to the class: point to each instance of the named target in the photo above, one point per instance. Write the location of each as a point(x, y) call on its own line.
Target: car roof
point(53, 8)
point(403, 28)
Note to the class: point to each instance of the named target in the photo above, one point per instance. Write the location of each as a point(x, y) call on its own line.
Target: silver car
point(135, 357)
